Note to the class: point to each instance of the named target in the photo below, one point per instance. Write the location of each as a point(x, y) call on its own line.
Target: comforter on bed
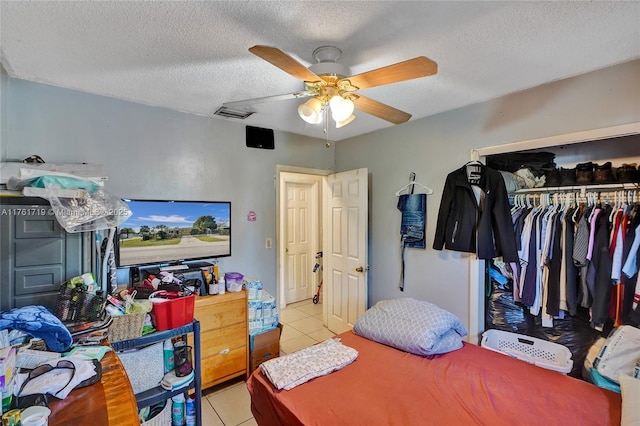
point(469, 386)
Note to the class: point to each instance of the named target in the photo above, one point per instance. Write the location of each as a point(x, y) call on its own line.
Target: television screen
point(161, 232)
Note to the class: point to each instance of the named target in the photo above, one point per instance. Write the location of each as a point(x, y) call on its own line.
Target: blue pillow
point(411, 325)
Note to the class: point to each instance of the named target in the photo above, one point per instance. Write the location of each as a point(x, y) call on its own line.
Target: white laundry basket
point(549, 355)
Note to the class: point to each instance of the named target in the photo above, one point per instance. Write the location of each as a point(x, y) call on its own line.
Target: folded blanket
point(299, 367)
point(39, 322)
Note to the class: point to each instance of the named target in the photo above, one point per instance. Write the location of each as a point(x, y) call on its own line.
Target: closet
point(618, 144)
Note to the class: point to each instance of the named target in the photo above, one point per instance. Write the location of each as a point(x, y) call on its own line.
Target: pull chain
point(326, 125)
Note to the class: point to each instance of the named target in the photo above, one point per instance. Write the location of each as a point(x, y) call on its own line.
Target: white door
point(345, 214)
point(300, 234)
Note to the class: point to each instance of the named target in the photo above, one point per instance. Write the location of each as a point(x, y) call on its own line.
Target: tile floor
point(228, 404)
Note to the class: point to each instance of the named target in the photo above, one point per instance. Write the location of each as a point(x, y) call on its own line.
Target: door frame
point(280, 226)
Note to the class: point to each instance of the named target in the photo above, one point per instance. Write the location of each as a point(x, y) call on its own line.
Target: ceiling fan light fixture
point(311, 111)
point(341, 108)
point(345, 122)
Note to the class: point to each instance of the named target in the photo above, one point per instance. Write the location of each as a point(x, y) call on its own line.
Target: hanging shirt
point(552, 303)
point(593, 220)
point(630, 267)
point(528, 263)
point(617, 244)
point(581, 240)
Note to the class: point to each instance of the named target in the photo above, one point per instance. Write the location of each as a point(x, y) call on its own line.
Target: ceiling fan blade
point(248, 102)
point(285, 62)
point(407, 70)
point(381, 110)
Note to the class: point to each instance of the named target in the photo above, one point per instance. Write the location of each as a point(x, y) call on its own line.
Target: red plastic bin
point(173, 313)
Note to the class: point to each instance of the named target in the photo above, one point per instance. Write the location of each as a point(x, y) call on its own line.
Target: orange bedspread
point(473, 385)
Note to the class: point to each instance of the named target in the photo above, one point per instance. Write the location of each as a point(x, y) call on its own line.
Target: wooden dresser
point(224, 336)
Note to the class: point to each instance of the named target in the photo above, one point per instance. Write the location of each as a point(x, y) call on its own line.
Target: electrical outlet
point(267, 243)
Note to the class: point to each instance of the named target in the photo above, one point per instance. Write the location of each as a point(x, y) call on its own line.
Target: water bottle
point(191, 411)
point(167, 351)
point(177, 410)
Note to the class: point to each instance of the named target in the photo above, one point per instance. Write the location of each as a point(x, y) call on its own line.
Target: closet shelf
point(580, 188)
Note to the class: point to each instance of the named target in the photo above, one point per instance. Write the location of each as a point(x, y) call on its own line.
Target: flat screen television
point(172, 232)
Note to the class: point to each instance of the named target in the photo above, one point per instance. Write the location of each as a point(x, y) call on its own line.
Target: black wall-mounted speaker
point(258, 137)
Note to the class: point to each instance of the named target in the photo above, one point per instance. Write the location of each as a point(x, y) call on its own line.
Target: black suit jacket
point(463, 226)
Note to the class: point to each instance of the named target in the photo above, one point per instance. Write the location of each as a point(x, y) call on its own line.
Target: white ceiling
point(192, 56)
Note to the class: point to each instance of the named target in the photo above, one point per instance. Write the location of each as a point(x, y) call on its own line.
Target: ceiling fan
point(330, 87)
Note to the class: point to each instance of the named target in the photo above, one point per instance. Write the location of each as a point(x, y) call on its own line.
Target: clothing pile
point(522, 170)
point(37, 321)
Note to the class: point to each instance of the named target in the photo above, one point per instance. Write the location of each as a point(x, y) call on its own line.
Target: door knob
point(361, 269)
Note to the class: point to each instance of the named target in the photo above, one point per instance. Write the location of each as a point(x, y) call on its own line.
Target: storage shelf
point(156, 336)
point(159, 394)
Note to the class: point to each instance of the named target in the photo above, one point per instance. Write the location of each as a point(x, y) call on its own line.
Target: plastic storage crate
point(549, 355)
point(172, 313)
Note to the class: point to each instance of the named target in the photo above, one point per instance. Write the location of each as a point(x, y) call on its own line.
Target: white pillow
point(630, 400)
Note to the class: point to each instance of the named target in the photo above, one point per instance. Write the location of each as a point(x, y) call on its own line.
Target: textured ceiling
point(192, 56)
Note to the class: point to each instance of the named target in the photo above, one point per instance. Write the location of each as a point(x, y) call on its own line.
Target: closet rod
point(579, 188)
point(607, 195)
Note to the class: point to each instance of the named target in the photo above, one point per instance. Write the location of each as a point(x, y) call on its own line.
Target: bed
point(470, 385)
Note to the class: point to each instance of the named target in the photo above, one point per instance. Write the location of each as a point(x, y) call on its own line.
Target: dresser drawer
point(222, 367)
point(226, 338)
point(218, 315)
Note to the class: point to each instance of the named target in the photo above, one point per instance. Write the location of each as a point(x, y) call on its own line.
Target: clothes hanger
point(475, 159)
point(617, 206)
point(518, 203)
point(412, 183)
point(427, 190)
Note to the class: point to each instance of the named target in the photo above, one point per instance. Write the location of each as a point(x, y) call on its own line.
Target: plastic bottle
point(222, 286)
point(191, 411)
point(177, 410)
point(167, 351)
point(213, 287)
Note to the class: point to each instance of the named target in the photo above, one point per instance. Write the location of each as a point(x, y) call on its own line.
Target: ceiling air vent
point(232, 113)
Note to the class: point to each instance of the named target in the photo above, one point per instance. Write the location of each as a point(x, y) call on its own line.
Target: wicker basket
point(125, 327)
point(163, 418)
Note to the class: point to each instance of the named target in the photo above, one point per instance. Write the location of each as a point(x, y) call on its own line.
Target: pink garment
point(592, 232)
